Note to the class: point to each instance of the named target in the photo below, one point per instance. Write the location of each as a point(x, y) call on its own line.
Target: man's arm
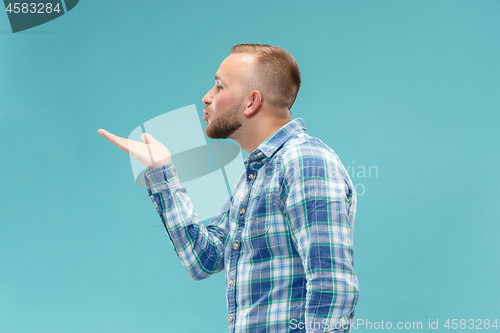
point(320, 208)
point(200, 248)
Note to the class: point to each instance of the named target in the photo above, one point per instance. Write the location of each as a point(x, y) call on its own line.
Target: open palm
point(151, 152)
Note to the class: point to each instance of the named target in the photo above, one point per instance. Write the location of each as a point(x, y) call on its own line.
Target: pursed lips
point(205, 115)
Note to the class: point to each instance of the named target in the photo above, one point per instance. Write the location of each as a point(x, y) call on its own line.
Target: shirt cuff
point(162, 175)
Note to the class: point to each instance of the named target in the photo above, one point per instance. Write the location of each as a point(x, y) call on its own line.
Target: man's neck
point(257, 131)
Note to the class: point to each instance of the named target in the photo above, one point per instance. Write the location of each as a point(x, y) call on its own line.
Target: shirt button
point(251, 176)
point(231, 283)
point(230, 318)
point(236, 246)
point(242, 211)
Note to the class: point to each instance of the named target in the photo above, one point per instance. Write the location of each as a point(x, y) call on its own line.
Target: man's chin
point(208, 132)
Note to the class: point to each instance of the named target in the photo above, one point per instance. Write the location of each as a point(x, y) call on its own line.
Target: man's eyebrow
point(217, 78)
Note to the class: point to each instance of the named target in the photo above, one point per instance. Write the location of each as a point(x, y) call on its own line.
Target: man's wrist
point(160, 163)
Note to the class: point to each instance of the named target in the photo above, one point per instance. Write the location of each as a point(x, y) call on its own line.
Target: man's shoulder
point(306, 158)
point(303, 146)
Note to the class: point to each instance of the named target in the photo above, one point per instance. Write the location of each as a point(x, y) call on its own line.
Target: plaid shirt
point(284, 238)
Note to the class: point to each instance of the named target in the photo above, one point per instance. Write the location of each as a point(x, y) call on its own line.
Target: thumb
point(147, 138)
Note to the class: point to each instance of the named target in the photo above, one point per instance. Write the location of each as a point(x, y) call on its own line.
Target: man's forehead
point(235, 65)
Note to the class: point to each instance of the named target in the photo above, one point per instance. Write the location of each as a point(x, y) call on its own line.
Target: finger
point(118, 141)
point(107, 135)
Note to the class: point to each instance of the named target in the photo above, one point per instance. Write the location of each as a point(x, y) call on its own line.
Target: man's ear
point(253, 103)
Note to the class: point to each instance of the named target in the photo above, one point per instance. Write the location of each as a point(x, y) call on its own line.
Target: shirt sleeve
point(319, 207)
point(199, 248)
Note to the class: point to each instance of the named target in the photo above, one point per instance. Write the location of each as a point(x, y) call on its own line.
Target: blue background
point(409, 87)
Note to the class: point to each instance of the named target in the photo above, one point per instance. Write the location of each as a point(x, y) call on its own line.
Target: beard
point(224, 125)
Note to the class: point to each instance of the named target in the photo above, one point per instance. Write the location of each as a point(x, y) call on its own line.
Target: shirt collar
point(276, 140)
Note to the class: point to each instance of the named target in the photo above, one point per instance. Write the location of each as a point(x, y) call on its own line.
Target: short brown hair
point(277, 70)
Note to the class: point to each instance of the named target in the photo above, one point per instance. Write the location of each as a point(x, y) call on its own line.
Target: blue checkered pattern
point(284, 239)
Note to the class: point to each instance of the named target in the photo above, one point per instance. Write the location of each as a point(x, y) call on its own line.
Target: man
point(285, 237)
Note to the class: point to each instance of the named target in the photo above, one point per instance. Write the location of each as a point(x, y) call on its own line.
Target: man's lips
point(205, 116)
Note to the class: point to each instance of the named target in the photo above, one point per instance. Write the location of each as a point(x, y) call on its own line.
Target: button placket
point(232, 277)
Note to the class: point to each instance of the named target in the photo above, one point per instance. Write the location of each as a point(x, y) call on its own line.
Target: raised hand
point(152, 153)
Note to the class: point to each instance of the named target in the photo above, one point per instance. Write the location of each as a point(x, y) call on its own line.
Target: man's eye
point(219, 87)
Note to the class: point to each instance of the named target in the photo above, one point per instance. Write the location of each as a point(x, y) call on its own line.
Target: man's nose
point(207, 99)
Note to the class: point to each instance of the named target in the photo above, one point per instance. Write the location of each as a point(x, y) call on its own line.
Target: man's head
point(275, 73)
point(256, 80)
